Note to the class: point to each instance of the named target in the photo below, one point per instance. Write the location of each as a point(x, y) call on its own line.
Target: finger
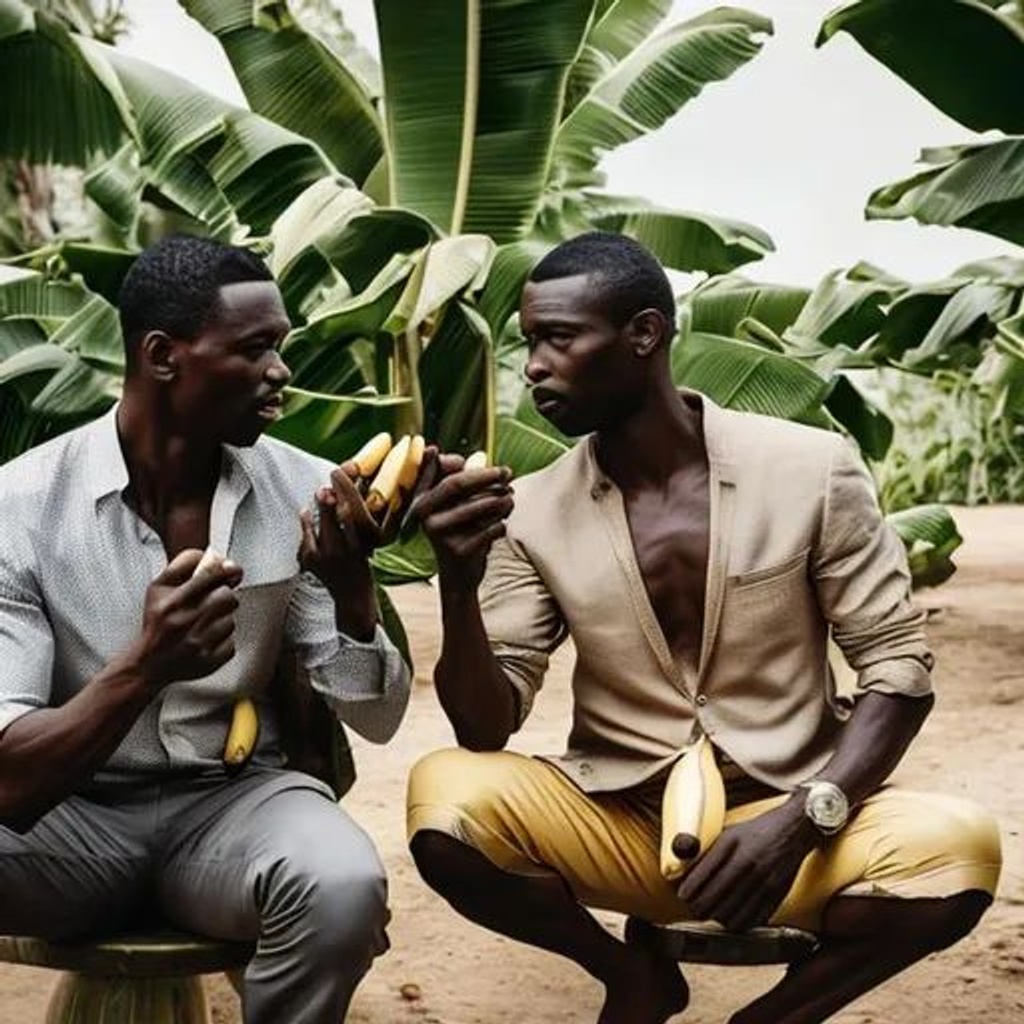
point(430, 470)
point(479, 542)
point(450, 462)
point(458, 487)
point(701, 874)
point(223, 652)
point(180, 568)
point(196, 589)
point(473, 515)
point(307, 545)
point(352, 508)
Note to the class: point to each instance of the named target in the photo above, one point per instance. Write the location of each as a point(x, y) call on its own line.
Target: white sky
point(794, 142)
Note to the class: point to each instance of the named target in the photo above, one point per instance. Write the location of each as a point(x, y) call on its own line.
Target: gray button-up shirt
point(75, 562)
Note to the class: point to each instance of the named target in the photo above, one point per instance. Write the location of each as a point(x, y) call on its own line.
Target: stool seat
point(706, 942)
point(148, 977)
point(161, 953)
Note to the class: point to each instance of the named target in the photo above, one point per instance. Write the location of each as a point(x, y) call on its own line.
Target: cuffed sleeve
point(522, 620)
point(26, 644)
point(863, 585)
point(366, 684)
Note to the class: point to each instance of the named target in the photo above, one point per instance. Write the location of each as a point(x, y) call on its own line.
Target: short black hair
point(173, 286)
point(628, 278)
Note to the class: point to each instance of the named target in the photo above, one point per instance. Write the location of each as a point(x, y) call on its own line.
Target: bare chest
point(670, 534)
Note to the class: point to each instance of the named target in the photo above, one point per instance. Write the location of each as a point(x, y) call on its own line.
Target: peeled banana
point(478, 460)
point(692, 808)
point(245, 728)
point(372, 454)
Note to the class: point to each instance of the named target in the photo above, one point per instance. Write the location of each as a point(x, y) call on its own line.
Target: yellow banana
point(411, 466)
point(385, 483)
point(478, 460)
point(692, 808)
point(372, 454)
point(245, 727)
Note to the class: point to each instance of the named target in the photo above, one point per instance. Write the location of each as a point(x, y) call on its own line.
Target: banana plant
point(967, 58)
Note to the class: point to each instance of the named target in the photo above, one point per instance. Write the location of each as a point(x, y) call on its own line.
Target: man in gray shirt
point(120, 667)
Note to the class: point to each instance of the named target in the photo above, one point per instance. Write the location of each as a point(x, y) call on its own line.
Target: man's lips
point(546, 400)
point(270, 408)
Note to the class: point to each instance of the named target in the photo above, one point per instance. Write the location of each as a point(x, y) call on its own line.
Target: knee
point(957, 916)
point(436, 855)
point(338, 910)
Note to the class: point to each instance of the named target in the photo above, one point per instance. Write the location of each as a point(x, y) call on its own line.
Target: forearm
point(870, 747)
point(473, 689)
point(46, 754)
point(873, 742)
point(355, 607)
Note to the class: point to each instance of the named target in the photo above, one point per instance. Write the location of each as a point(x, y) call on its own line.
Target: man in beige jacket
point(700, 559)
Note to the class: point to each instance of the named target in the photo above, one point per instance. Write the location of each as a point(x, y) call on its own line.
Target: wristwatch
point(826, 806)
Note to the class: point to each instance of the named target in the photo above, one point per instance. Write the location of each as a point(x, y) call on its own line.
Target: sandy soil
point(443, 969)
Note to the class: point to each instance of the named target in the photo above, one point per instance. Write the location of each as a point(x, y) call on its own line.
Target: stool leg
point(93, 999)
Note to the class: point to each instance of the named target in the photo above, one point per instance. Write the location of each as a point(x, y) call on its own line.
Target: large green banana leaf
point(642, 91)
point(747, 377)
point(959, 54)
point(729, 305)
point(979, 186)
point(61, 102)
point(293, 78)
point(225, 167)
point(930, 535)
point(474, 90)
point(617, 29)
point(682, 240)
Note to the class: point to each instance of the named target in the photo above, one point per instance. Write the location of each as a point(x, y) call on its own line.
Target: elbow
point(15, 814)
point(481, 741)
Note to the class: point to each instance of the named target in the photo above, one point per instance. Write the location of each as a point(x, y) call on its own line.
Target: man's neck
point(665, 435)
point(167, 467)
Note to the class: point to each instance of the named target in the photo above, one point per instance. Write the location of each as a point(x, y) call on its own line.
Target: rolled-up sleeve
point(26, 642)
point(863, 585)
point(521, 618)
point(366, 684)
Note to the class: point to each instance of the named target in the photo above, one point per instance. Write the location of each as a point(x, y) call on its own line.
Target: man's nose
point(535, 371)
point(277, 370)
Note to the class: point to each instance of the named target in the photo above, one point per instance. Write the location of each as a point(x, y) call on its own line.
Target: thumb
point(180, 568)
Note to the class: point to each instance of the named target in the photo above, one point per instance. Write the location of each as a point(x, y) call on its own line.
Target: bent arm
point(45, 753)
point(474, 691)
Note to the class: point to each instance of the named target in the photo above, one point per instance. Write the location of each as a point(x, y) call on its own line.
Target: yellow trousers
point(527, 817)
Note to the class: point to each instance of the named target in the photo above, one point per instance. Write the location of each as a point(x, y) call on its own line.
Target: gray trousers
point(266, 856)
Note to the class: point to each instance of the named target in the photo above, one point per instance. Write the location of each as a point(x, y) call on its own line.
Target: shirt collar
point(108, 473)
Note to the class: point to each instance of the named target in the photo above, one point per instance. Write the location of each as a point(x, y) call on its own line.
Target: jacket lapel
point(722, 484)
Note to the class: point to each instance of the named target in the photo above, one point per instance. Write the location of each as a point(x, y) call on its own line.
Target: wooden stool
point(145, 978)
point(704, 942)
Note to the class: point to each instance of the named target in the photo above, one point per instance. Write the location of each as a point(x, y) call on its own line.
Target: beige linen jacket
point(798, 547)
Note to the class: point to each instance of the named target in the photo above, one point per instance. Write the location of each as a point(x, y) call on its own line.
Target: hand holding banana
point(463, 514)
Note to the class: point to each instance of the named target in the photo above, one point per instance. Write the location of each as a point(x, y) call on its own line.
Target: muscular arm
point(474, 692)
point(187, 633)
point(45, 754)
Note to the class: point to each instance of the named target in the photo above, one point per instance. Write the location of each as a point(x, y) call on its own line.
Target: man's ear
point(648, 331)
point(157, 356)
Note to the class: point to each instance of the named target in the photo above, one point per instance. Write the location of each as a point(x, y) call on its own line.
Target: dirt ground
point(454, 973)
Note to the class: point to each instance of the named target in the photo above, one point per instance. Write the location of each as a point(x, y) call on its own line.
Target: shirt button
point(600, 489)
point(584, 768)
point(701, 700)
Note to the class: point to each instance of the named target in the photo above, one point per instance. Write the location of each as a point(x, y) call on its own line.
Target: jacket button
point(701, 700)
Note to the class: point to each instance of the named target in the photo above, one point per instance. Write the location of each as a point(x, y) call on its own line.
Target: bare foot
point(649, 990)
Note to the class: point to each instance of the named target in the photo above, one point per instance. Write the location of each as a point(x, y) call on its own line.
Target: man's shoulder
point(753, 440)
point(35, 473)
point(565, 475)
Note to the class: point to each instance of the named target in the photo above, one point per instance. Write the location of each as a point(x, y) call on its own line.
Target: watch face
point(827, 806)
